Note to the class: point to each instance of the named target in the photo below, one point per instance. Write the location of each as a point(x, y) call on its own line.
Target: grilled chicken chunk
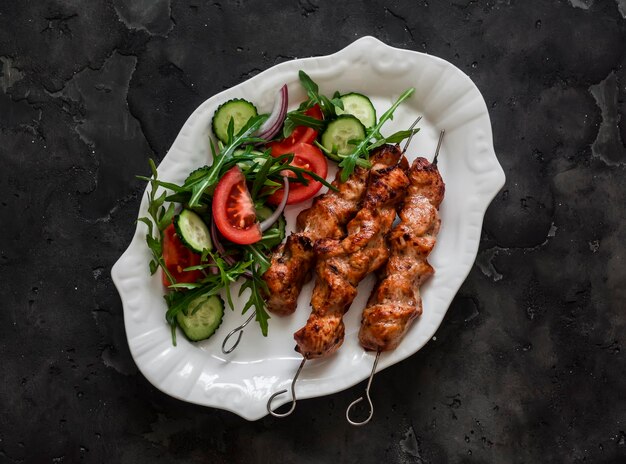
point(292, 262)
point(342, 264)
point(395, 300)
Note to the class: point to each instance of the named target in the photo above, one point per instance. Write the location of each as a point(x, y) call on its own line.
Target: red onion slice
point(219, 246)
point(276, 214)
point(272, 125)
point(213, 269)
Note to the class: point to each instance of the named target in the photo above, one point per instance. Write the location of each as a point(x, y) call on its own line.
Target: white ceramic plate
point(243, 381)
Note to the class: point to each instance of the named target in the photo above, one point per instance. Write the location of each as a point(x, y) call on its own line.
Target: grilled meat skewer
point(342, 264)
point(395, 300)
point(292, 262)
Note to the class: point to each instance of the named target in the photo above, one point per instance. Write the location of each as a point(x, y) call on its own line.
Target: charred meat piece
point(288, 272)
point(342, 264)
point(292, 262)
point(395, 300)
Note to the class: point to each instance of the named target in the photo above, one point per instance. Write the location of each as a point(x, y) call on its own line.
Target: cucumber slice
point(202, 317)
point(360, 106)
point(276, 234)
point(192, 231)
point(339, 132)
point(239, 110)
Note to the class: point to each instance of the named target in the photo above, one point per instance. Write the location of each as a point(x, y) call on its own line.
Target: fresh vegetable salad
point(221, 224)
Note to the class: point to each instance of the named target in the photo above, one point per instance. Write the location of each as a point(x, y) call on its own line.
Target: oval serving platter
point(243, 381)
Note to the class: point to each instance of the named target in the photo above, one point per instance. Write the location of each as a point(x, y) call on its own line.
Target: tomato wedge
point(308, 157)
point(233, 209)
point(300, 134)
point(178, 257)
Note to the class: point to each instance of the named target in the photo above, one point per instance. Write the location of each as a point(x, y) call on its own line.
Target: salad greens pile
point(359, 156)
point(265, 174)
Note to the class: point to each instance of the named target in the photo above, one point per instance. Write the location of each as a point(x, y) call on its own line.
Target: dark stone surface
point(529, 363)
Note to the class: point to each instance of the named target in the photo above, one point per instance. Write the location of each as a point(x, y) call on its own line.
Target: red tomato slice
point(306, 156)
point(300, 134)
point(178, 257)
point(233, 209)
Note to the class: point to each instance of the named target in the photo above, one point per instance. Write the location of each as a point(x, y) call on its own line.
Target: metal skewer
point(441, 134)
point(233, 332)
point(293, 395)
point(369, 382)
point(408, 141)
point(367, 395)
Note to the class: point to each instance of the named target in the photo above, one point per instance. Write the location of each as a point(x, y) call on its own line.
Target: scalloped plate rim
point(497, 180)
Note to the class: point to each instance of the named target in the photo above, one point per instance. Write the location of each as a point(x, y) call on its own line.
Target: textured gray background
point(528, 365)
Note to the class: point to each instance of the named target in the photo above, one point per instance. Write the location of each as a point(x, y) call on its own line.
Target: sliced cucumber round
point(239, 110)
point(193, 231)
point(359, 106)
point(202, 317)
point(275, 234)
point(338, 134)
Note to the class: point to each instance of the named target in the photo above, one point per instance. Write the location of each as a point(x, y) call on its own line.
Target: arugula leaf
point(333, 156)
point(160, 183)
point(399, 136)
point(297, 118)
point(195, 176)
point(311, 87)
point(215, 172)
point(179, 301)
point(259, 258)
point(362, 149)
point(336, 101)
point(315, 98)
point(288, 127)
point(258, 288)
point(261, 176)
point(159, 218)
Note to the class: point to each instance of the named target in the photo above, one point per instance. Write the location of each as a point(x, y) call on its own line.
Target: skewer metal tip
point(367, 395)
point(293, 395)
point(238, 330)
point(408, 141)
point(441, 134)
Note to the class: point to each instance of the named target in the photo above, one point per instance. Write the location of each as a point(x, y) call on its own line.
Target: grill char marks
point(395, 300)
point(293, 261)
point(342, 264)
